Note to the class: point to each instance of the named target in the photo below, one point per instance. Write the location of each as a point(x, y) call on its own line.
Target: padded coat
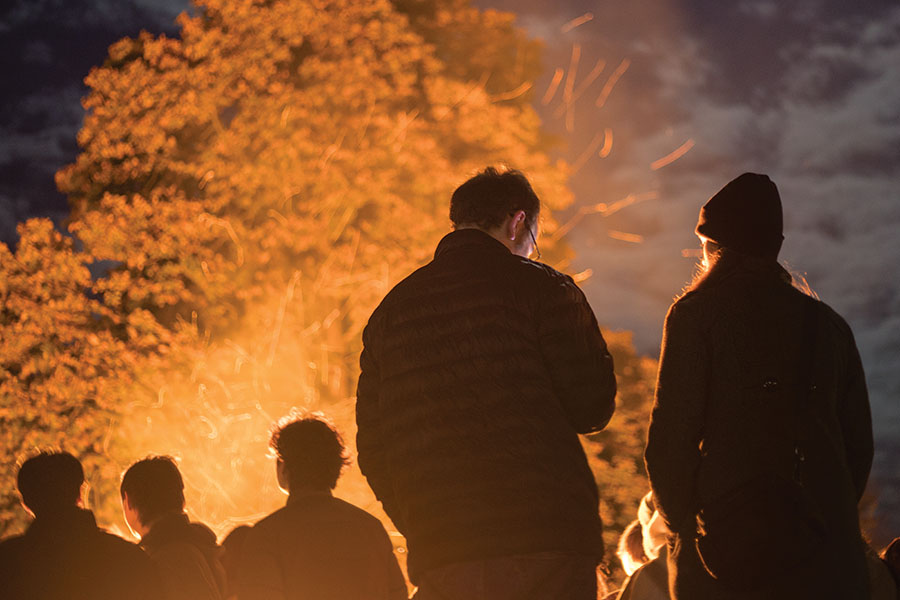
point(726, 411)
point(478, 372)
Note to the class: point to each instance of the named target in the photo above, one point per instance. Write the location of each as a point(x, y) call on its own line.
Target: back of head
point(312, 452)
point(631, 547)
point(154, 487)
point(486, 199)
point(745, 216)
point(50, 482)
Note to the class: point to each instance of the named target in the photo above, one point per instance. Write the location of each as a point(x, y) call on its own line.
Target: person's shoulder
point(12, 543)
point(123, 555)
point(690, 304)
point(833, 318)
point(544, 281)
point(539, 271)
point(112, 543)
point(355, 512)
point(271, 522)
point(402, 291)
point(11, 548)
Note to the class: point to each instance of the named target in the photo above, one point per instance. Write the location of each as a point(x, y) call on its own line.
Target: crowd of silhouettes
point(478, 373)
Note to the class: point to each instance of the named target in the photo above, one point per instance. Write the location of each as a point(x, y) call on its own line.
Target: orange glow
point(577, 22)
point(568, 92)
point(583, 86)
point(553, 87)
point(632, 238)
point(611, 82)
point(672, 156)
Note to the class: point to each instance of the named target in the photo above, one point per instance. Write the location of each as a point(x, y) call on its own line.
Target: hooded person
point(760, 439)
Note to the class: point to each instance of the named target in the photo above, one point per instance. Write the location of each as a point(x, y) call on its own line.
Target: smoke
point(806, 93)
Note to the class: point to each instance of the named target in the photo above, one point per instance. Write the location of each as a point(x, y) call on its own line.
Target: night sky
point(807, 92)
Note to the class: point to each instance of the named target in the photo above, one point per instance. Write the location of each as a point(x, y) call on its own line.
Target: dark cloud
point(807, 92)
point(47, 47)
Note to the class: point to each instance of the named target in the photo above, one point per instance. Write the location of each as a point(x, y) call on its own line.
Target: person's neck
point(305, 492)
point(145, 529)
point(496, 233)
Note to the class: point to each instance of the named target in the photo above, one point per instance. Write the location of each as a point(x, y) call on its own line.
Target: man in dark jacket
point(761, 422)
point(64, 555)
point(185, 553)
point(478, 372)
point(317, 546)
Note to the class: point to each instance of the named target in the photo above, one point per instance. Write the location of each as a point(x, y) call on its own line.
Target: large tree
point(261, 181)
point(249, 191)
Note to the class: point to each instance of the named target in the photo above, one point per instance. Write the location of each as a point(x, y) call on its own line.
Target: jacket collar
point(469, 238)
point(75, 521)
point(177, 527)
point(299, 496)
point(166, 528)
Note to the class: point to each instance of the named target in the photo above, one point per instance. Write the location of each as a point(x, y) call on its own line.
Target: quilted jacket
point(478, 372)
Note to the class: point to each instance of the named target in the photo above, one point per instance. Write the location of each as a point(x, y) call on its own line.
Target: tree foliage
point(253, 188)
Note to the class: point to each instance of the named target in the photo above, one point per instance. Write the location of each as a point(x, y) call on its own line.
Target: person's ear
point(281, 472)
point(515, 225)
point(25, 506)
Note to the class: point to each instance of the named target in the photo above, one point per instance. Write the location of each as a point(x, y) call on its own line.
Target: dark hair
point(312, 452)
point(154, 487)
point(489, 197)
point(50, 482)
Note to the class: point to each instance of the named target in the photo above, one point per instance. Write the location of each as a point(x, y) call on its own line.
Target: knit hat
point(745, 215)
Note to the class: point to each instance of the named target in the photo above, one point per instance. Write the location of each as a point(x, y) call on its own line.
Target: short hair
point(312, 451)
point(154, 487)
point(50, 482)
point(489, 197)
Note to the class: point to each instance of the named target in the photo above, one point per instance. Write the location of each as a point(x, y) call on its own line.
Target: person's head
point(501, 203)
point(631, 548)
point(50, 483)
point(151, 488)
point(653, 529)
point(745, 216)
point(310, 454)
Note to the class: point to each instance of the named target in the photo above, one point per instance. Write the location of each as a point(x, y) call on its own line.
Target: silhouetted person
point(649, 581)
point(64, 555)
point(761, 423)
point(631, 548)
point(479, 371)
point(317, 546)
point(232, 547)
point(185, 553)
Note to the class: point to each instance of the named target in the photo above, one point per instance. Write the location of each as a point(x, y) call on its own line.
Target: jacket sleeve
point(576, 356)
point(672, 456)
point(856, 421)
point(370, 434)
